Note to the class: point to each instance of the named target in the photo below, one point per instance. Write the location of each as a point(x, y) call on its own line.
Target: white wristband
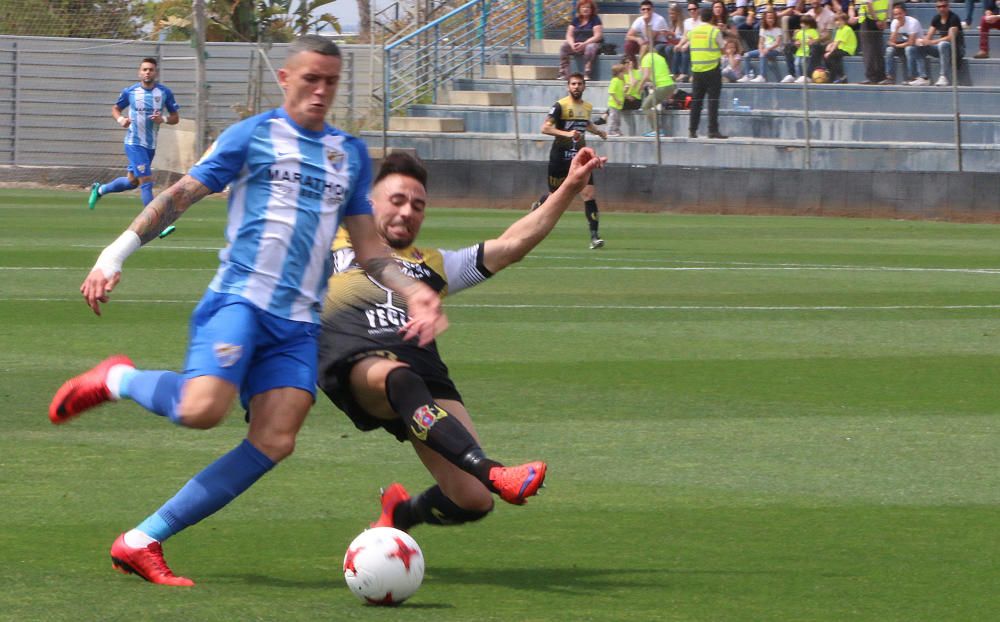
point(122, 120)
point(111, 259)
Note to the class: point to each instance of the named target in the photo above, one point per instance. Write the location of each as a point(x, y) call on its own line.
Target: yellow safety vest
point(881, 9)
point(705, 52)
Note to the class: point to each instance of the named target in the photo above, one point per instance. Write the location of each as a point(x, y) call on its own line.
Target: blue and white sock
point(120, 184)
point(147, 193)
point(208, 492)
point(157, 391)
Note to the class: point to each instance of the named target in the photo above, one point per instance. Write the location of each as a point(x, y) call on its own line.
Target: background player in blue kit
point(293, 179)
point(150, 105)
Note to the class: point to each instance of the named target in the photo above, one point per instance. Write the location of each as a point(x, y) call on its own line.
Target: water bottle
point(736, 103)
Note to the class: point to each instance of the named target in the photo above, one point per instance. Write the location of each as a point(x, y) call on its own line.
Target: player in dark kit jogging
point(381, 380)
point(568, 122)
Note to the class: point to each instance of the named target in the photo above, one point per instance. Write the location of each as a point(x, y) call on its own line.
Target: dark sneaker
point(146, 562)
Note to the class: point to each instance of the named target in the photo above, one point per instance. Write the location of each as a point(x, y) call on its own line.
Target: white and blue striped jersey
point(141, 104)
point(290, 188)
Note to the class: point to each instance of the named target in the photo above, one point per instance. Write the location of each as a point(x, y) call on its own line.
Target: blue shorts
point(140, 160)
point(232, 339)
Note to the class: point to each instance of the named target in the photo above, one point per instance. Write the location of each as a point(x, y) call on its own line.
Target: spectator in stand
point(845, 43)
point(804, 38)
point(825, 25)
point(583, 38)
point(675, 26)
point(872, 18)
point(732, 62)
point(683, 49)
point(737, 10)
point(616, 99)
point(720, 19)
point(633, 84)
point(749, 29)
point(656, 74)
point(970, 9)
point(706, 44)
point(649, 26)
point(903, 34)
point(789, 13)
point(990, 21)
point(940, 45)
point(770, 43)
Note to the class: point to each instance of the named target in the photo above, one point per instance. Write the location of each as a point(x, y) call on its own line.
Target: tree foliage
point(108, 19)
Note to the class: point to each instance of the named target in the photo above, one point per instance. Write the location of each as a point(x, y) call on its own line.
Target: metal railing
point(461, 44)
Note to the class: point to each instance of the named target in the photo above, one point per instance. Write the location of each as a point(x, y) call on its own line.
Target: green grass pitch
point(745, 418)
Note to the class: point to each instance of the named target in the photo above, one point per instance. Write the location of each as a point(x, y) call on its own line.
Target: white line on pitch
point(598, 307)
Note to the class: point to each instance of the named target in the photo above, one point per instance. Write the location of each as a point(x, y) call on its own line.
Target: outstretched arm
point(527, 232)
point(427, 320)
point(161, 212)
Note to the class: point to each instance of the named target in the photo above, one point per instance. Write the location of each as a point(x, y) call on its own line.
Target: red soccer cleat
point(84, 391)
point(391, 498)
point(146, 562)
point(516, 484)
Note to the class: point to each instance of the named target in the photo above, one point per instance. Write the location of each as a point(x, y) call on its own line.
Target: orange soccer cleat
point(516, 484)
point(391, 498)
point(84, 391)
point(146, 562)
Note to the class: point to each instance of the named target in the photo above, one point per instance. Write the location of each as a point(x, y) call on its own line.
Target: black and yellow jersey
point(360, 314)
point(569, 115)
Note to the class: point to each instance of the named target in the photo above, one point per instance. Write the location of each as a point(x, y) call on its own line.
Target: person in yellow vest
point(845, 43)
point(872, 18)
point(568, 122)
point(633, 84)
point(655, 73)
point(616, 99)
point(706, 43)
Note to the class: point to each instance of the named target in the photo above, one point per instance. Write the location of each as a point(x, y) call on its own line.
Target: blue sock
point(157, 391)
point(147, 193)
point(118, 185)
point(209, 491)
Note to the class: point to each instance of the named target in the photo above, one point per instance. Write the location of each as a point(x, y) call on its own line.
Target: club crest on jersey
point(227, 354)
point(335, 157)
point(424, 419)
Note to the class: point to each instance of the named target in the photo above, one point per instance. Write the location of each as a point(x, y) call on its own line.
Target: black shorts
point(335, 381)
point(558, 170)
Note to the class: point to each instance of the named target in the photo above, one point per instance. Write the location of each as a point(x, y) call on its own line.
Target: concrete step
point(780, 124)
point(546, 46)
point(377, 153)
point(618, 21)
point(426, 124)
point(770, 96)
point(975, 73)
point(764, 155)
point(525, 71)
point(480, 98)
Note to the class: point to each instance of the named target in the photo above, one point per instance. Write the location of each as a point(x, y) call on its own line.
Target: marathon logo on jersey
point(309, 187)
point(227, 354)
point(424, 419)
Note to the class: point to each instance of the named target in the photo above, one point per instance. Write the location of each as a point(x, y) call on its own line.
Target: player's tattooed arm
point(167, 207)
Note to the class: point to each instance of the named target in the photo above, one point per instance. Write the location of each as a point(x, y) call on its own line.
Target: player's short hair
point(313, 43)
point(150, 59)
point(576, 74)
point(400, 163)
point(901, 5)
point(646, 3)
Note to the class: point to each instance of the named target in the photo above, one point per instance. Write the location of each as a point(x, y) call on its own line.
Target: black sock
point(411, 399)
point(590, 208)
point(434, 508)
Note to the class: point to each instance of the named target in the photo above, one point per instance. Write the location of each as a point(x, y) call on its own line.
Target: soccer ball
point(820, 76)
point(383, 566)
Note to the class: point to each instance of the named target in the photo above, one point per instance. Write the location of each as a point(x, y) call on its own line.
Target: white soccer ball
point(383, 566)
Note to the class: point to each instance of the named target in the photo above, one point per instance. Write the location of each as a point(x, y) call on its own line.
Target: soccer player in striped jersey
point(149, 105)
point(293, 179)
